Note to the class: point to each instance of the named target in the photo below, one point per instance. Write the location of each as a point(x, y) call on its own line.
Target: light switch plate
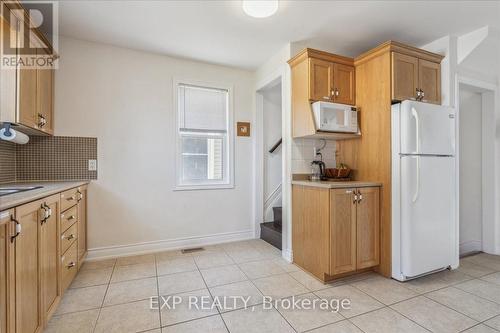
point(92, 165)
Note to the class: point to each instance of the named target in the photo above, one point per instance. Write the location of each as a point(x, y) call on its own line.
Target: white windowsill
point(203, 187)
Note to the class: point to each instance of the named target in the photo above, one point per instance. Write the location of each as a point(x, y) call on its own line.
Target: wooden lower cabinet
point(31, 263)
point(26, 256)
point(368, 227)
point(335, 232)
point(342, 231)
point(311, 224)
point(5, 263)
point(49, 257)
point(82, 224)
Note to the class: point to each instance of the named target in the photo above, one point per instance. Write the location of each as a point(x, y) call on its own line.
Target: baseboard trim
point(165, 245)
point(287, 254)
point(470, 246)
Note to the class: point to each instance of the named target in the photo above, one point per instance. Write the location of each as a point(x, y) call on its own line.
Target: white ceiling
point(219, 32)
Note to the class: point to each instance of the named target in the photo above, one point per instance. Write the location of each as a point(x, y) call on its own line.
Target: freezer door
point(427, 129)
point(428, 223)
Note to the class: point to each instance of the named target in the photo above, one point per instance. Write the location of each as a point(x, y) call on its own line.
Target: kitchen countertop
point(331, 184)
point(49, 188)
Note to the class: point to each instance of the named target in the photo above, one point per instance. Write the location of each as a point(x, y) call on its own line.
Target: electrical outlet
point(92, 165)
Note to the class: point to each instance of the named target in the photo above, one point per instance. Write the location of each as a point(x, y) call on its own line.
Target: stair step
point(271, 234)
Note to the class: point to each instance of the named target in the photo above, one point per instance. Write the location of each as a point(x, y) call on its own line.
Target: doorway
point(476, 168)
point(270, 216)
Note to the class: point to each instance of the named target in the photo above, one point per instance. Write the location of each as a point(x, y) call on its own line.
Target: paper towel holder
point(7, 129)
point(9, 134)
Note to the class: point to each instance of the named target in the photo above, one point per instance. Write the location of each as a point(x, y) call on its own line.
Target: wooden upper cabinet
point(45, 92)
point(342, 231)
point(404, 77)
point(368, 227)
point(28, 318)
point(49, 257)
point(331, 82)
point(320, 80)
point(27, 97)
point(344, 85)
point(416, 79)
point(7, 76)
point(319, 76)
point(429, 81)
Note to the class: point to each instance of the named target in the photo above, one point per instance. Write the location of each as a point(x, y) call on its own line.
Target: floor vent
point(191, 250)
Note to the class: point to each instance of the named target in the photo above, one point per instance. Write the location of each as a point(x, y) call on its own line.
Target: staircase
point(271, 231)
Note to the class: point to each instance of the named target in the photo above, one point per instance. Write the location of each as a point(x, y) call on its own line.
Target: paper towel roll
point(15, 136)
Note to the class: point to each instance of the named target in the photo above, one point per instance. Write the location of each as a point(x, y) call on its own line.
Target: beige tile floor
point(114, 296)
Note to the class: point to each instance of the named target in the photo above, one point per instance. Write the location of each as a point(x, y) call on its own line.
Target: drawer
point(69, 237)
point(68, 218)
point(69, 198)
point(69, 266)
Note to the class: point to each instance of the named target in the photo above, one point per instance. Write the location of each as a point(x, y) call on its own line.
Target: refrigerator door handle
point(414, 113)
point(417, 190)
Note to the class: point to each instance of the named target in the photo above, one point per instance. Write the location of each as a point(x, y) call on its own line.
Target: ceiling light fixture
point(260, 8)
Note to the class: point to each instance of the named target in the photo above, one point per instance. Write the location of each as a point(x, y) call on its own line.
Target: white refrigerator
point(424, 217)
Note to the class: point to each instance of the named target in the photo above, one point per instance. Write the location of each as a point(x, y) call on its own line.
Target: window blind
point(202, 109)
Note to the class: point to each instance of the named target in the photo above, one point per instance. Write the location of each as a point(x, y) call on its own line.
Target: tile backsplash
point(303, 154)
point(44, 158)
point(7, 162)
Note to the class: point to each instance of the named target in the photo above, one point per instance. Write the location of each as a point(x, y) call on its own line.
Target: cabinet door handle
point(71, 265)
point(360, 196)
point(49, 210)
point(80, 196)
point(337, 92)
point(355, 198)
point(44, 214)
point(72, 217)
point(42, 121)
point(18, 228)
point(422, 94)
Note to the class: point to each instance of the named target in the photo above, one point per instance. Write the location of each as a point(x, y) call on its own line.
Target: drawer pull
point(71, 198)
point(80, 195)
point(69, 237)
point(72, 217)
point(71, 265)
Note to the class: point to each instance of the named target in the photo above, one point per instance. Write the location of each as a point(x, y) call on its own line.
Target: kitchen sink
point(16, 189)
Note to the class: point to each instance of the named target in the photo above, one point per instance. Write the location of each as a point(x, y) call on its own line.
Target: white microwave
point(334, 117)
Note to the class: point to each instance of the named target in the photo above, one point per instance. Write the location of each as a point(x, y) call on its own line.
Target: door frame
point(282, 74)
point(490, 146)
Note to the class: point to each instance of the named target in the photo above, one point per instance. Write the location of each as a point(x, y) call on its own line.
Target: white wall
point(470, 171)
point(124, 98)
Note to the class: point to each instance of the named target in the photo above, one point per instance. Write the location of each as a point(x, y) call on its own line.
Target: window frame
point(226, 182)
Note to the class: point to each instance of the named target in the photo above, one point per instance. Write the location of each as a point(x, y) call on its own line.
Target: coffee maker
point(317, 170)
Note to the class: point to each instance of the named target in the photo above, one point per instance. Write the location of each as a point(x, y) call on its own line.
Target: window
point(204, 136)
